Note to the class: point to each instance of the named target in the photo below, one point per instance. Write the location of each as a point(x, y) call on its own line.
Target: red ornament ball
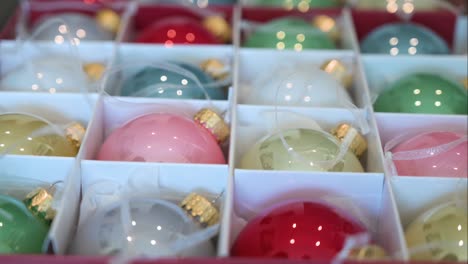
point(177, 30)
point(297, 230)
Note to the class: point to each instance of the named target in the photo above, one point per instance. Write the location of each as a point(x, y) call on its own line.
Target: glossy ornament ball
point(423, 93)
point(51, 74)
point(302, 5)
point(23, 134)
point(311, 149)
point(445, 227)
point(20, 231)
point(161, 83)
point(177, 30)
point(404, 39)
point(297, 86)
point(80, 27)
point(296, 230)
point(444, 162)
point(162, 137)
point(289, 33)
point(153, 229)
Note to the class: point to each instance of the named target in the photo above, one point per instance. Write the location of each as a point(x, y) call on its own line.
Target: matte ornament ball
point(423, 93)
point(296, 230)
point(166, 83)
point(445, 227)
point(20, 231)
point(311, 149)
point(289, 33)
point(23, 134)
point(436, 160)
point(165, 137)
point(177, 30)
point(403, 39)
point(80, 27)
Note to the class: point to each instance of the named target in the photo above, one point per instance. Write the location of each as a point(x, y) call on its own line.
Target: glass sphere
point(289, 33)
point(423, 93)
point(177, 30)
point(403, 39)
point(162, 137)
point(50, 74)
point(298, 86)
point(313, 148)
point(296, 230)
point(302, 5)
point(445, 227)
point(160, 83)
point(154, 228)
point(448, 163)
point(23, 134)
point(20, 231)
point(81, 27)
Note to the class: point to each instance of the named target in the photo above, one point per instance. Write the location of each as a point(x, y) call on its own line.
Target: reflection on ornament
point(51, 74)
point(219, 27)
point(80, 27)
point(161, 83)
point(393, 6)
point(296, 230)
point(289, 33)
point(164, 137)
point(20, 231)
point(153, 229)
point(23, 134)
point(423, 93)
point(439, 234)
point(306, 150)
point(403, 39)
point(442, 162)
point(301, 5)
point(177, 30)
point(368, 252)
point(299, 86)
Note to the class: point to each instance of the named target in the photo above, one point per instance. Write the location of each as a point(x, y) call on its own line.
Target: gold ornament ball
point(109, 20)
point(439, 234)
point(219, 27)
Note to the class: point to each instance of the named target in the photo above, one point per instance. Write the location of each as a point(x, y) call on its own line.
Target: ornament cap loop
point(109, 20)
point(94, 70)
point(199, 208)
point(39, 202)
point(215, 68)
point(219, 27)
point(339, 71)
point(75, 133)
point(359, 143)
point(368, 252)
point(214, 123)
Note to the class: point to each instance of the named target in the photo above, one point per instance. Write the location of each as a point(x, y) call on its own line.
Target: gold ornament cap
point(215, 68)
point(200, 209)
point(109, 20)
point(39, 202)
point(465, 83)
point(358, 145)
point(94, 70)
point(214, 123)
point(75, 133)
point(339, 71)
point(327, 25)
point(368, 252)
point(219, 27)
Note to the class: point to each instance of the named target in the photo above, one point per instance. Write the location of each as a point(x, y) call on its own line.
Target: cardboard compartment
point(255, 122)
point(150, 181)
point(368, 201)
point(49, 170)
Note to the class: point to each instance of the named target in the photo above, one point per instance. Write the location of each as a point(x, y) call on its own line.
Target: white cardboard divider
point(255, 122)
point(461, 35)
point(148, 178)
point(382, 70)
point(255, 191)
point(50, 170)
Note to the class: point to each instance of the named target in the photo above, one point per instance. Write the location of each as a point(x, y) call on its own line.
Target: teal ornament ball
point(20, 231)
point(298, 4)
point(404, 39)
point(289, 33)
point(158, 82)
point(423, 93)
